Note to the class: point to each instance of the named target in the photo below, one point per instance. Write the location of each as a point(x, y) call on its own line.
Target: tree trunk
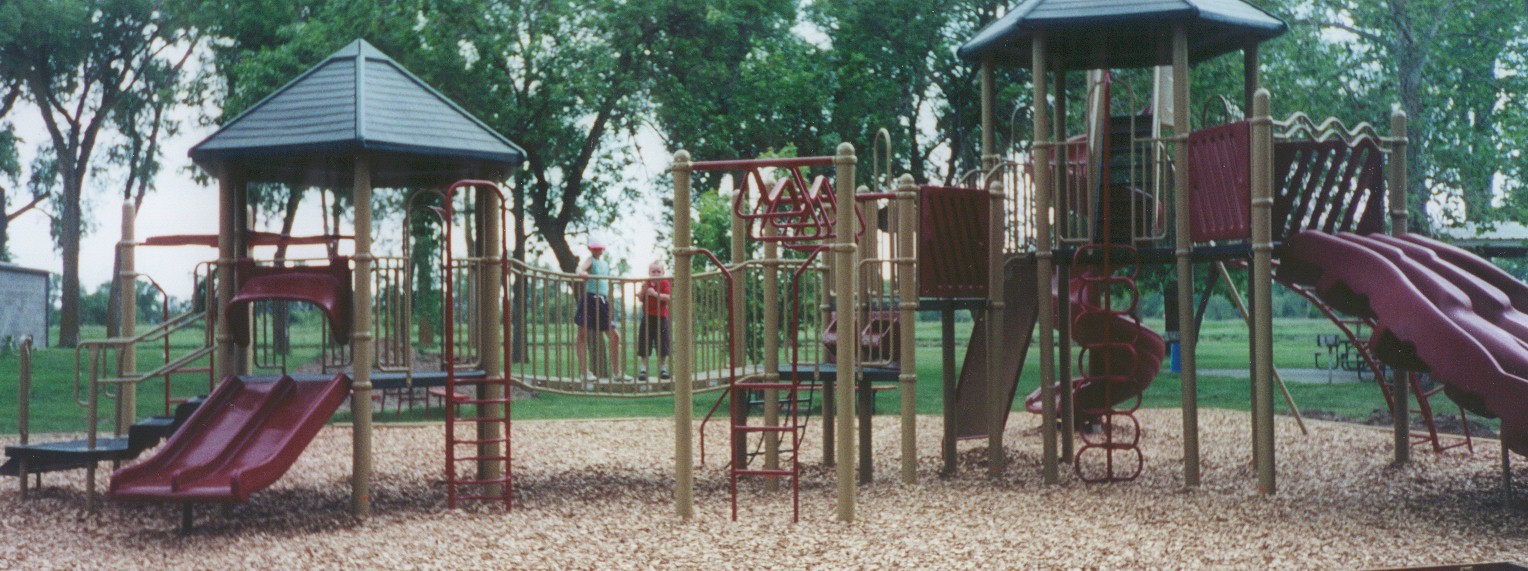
point(518, 348)
point(69, 310)
point(5, 227)
point(282, 311)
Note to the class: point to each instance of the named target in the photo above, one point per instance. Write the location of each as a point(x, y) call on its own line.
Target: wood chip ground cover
point(597, 495)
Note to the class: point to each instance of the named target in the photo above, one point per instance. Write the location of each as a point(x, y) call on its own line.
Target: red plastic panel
point(240, 441)
point(953, 242)
point(327, 287)
point(1220, 175)
point(1329, 186)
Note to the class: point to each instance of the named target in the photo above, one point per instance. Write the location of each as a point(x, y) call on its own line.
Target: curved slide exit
point(240, 441)
point(1127, 346)
point(1018, 328)
point(1438, 309)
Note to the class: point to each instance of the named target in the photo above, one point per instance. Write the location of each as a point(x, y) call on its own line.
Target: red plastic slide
point(1106, 329)
point(1438, 309)
point(241, 440)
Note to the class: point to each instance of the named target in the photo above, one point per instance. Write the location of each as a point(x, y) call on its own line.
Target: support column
point(907, 305)
point(992, 182)
point(491, 339)
point(947, 351)
point(843, 306)
point(1043, 262)
point(1185, 265)
point(683, 357)
point(230, 183)
point(772, 354)
point(361, 344)
point(1400, 407)
point(127, 325)
point(1261, 284)
point(1064, 317)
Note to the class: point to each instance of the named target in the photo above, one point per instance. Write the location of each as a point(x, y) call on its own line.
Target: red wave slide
point(1123, 344)
point(240, 441)
point(1439, 309)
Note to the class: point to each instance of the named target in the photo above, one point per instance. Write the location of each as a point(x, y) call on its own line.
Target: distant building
point(23, 304)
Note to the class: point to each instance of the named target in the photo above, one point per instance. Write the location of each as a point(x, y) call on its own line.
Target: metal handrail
point(163, 330)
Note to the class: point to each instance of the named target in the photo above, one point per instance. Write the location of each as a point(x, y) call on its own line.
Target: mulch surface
point(598, 495)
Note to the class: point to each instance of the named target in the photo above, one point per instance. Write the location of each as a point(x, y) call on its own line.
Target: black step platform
point(76, 454)
point(66, 455)
point(828, 372)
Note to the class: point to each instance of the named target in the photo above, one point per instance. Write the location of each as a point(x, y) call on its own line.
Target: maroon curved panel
point(1432, 315)
point(953, 238)
point(1220, 206)
point(240, 441)
point(328, 287)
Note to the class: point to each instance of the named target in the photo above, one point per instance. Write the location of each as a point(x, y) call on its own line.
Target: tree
point(1447, 64)
point(76, 61)
point(10, 166)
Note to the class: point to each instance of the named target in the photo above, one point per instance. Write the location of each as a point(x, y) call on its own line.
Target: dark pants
point(653, 334)
point(593, 313)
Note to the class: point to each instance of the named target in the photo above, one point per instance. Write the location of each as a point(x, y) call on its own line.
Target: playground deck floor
point(596, 494)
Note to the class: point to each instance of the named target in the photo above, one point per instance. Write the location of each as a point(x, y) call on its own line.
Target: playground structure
point(827, 307)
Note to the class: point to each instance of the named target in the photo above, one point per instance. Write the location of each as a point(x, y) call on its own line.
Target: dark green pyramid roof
point(1098, 34)
point(358, 101)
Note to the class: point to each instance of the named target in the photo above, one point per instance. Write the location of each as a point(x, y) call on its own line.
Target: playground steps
point(76, 454)
point(787, 435)
point(470, 452)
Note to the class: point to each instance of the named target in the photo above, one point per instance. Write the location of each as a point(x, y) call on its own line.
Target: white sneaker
point(589, 377)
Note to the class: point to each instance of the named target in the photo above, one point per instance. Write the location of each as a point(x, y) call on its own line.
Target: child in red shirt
point(653, 333)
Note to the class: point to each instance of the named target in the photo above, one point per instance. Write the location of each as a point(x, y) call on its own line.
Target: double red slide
point(241, 440)
point(1439, 309)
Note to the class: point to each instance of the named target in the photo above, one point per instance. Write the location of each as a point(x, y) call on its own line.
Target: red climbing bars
point(490, 440)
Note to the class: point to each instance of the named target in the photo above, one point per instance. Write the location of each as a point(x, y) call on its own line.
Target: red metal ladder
point(468, 413)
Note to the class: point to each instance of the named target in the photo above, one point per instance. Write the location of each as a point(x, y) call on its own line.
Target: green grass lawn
point(1223, 345)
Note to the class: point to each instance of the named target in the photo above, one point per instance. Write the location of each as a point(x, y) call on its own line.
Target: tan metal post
point(23, 405)
point(907, 304)
point(1184, 247)
point(1262, 288)
point(127, 324)
point(843, 307)
point(230, 183)
point(989, 119)
point(491, 343)
point(1043, 263)
point(992, 183)
point(1400, 408)
point(997, 402)
point(1064, 317)
point(771, 354)
point(684, 342)
point(361, 344)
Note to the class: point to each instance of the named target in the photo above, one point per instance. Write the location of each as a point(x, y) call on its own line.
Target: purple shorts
point(593, 313)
